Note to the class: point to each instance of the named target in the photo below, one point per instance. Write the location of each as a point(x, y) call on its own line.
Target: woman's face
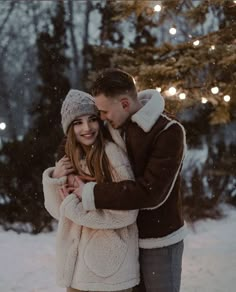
point(86, 129)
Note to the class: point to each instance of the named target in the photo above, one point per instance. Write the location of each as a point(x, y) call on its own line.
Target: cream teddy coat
point(95, 250)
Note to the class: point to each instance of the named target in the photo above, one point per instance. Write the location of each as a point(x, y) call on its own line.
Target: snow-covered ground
point(27, 263)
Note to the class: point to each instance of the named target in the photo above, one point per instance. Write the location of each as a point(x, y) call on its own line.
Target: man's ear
point(125, 103)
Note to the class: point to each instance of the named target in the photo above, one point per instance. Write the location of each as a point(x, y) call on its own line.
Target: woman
point(96, 250)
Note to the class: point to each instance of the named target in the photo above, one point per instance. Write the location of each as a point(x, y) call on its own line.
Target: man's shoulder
point(164, 122)
point(166, 119)
point(170, 126)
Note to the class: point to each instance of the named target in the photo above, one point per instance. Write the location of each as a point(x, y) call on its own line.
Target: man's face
point(111, 110)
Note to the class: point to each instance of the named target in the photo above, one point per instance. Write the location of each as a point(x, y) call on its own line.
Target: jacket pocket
point(105, 251)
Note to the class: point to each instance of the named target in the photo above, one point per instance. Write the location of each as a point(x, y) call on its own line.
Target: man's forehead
point(103, 101)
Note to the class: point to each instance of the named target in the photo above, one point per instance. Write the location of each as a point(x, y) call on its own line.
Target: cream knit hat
point(76, 104)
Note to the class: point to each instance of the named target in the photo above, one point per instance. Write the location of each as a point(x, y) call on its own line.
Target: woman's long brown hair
point(96, 158)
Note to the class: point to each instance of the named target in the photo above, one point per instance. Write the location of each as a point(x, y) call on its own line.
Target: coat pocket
point(105, 251)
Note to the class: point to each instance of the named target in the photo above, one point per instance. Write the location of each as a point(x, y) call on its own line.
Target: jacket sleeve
point(152, 189)
point(72, 208)
point(52, 198)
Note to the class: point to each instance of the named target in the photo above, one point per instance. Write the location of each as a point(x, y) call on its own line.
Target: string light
point(172, 30)
point(215, 90)
point(227, 98)
point(157, 8)
point(2, 126)
point(158, 89)
point(204, 100)
point(182, 95)
point(172, 90)
point(196, 43)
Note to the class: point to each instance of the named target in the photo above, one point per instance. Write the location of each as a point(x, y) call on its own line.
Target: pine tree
point(24, 161)
point(193, 64)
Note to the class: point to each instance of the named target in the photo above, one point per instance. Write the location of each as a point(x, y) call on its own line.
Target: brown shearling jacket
point(156, 145)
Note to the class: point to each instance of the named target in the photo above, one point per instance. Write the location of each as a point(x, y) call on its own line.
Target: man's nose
point(102, 116)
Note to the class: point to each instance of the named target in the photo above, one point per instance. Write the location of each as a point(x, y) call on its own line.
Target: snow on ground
point(27, 262)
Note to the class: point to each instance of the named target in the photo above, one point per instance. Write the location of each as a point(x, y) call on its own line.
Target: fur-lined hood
point(153, 106)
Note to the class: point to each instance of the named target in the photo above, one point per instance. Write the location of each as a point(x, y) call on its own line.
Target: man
point(156, 145)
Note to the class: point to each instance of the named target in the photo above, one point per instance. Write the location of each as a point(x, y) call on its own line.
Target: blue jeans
point(161, 269)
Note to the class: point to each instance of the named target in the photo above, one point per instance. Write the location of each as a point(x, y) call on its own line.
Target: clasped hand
point(75, 185)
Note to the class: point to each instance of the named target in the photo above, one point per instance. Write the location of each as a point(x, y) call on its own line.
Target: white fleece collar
point(153, 106)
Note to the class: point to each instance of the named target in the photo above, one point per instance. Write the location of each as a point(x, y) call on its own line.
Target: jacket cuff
point(66, 201)
point(88, 196)
point(47, 177)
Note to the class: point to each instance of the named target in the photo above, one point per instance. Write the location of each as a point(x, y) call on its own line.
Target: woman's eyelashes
point(93, 119)
point(77, 122)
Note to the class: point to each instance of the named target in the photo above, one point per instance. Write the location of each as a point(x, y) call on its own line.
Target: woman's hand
point(75, 185)
point(63, 167)
point(65, 191)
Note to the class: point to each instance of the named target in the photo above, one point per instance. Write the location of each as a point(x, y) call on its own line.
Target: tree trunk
point(76, 80)
point(86, 41)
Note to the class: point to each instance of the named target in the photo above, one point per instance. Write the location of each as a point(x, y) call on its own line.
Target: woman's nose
point(86, 126)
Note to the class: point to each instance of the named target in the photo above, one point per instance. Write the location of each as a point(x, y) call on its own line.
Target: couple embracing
point(115, 190)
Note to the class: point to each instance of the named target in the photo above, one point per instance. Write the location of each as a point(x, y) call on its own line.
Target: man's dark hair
point(114, 82)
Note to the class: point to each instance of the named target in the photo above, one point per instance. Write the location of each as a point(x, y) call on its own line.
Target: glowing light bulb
point(196, 43)
point(182, 95)
point(158, 89)
point(3, 126)
point(172, 90)
point(213, 47)
point(204, 100)
point(215, 90)
point(227, 98)
point(172, 30)
point(157, 8)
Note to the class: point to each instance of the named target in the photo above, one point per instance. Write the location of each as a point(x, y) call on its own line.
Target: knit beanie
point(76, 104)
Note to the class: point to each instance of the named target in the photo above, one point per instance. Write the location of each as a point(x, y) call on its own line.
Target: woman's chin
point(88, 142)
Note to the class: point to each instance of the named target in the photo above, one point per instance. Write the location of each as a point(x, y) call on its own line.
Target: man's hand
point(78, 191)
point(71, 180)
point(63, 168)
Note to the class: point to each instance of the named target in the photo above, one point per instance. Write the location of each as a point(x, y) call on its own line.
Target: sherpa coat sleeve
point(73, 209)
point(150, 190)
point(52, 198)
